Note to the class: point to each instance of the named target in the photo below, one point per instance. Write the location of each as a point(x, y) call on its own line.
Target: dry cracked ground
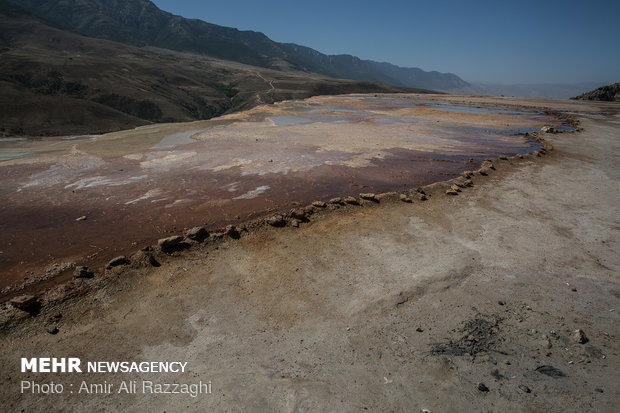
point(459, 303)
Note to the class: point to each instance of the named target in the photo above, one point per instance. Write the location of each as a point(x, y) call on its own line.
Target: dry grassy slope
point(54, 82)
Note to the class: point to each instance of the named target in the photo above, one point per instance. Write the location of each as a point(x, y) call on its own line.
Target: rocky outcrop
point(609, 93)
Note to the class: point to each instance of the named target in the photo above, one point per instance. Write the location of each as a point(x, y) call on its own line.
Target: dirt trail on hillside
point(459, 303)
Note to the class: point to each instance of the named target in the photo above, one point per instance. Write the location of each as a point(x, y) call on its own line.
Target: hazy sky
point(497, 41)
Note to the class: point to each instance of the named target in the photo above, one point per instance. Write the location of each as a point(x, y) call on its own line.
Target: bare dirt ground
point(459, 303)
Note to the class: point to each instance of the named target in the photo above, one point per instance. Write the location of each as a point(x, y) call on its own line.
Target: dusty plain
point(458, 303)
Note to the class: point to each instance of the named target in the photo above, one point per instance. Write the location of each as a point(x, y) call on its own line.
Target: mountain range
point(56, 81)
point(141, 23)
point(539, 90)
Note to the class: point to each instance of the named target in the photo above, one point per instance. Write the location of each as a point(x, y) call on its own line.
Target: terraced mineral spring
point(87, 199)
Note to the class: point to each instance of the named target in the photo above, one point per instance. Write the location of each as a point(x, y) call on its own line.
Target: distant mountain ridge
point(351, 67)
point(142, 23)
point(532, 90)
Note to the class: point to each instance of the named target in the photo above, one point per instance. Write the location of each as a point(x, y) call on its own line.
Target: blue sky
point(491, 41)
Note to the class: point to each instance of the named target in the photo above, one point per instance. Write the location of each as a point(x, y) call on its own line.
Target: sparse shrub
point(228, 90)
point(75, 89)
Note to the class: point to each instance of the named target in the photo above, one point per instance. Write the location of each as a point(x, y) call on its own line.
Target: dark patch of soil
point(480, 335)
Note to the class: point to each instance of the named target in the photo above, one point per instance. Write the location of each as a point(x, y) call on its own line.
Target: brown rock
point(488, 164)
point(455, 187)
point(351, 200)
point(276, 221)
point(214, 236)
point(298, 214)
point(295, 223)
point(451, 192)
point(82, 272)
point(24, 302)
point(337, 200)
point(197, 233)
point(231, 231)
point(547, 129)
point(368, 196)
point(144, 259)
point(468, 183)
point(118, 261)
point(580, 337)
point(319, 204)
point(170, 242)
point(405, 198)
